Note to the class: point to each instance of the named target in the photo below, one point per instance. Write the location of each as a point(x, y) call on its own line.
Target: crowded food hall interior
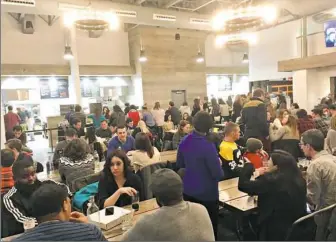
point(170, 120)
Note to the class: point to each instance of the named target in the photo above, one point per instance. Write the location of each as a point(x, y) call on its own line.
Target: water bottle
point(96, 160)
point(92, 208)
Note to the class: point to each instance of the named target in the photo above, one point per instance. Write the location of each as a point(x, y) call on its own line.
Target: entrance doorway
point(178, 97)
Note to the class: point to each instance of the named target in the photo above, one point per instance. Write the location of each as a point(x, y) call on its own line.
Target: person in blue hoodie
point(198, 156)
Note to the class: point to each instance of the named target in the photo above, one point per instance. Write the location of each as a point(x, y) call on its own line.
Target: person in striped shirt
point(51, 206)
point(7, 160)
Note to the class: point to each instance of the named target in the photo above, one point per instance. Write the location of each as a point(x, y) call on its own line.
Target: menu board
point(54, 88)
point(90, 87)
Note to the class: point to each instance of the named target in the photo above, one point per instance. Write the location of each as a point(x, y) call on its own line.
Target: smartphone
point(109, 211)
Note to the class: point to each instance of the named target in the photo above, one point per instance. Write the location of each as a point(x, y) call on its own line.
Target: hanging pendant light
point(200, 57)
point(142, 57)
point(68, 53)
point(245, 58)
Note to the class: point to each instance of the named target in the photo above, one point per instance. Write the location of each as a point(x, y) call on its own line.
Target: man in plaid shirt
point(320, 124)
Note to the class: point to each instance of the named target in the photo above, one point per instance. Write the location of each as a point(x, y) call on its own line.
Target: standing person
point(68, 114)
point(97, 118)
point(185, 108)
point(134, 115)
point(117, 117)
point(320, 124)
point(127, 108)
point(23, 118)
point(7, 160)
point(254, 117)
point(224, 111)
point(321, 178)
point(215, 110)
point(175, 113)
point(148, 117)
point(51, 206)
point(176, 220)
point(229, 101)
point(106, 112)
point(158, 114)
point(281, 195)
point(294, 109)
point(237, 108)
point(78, 114)
point(196, 107)
point(205, 106)
point(198, 156)
point(11, 119)
point(117, 184)
point(331, 137)
point(304, 121)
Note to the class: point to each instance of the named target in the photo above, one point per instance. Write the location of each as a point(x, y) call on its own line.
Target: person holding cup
point(117, 184)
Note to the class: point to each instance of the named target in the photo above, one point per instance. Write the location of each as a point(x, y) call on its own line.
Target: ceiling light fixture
point(200, 56)
point(250, 38)
point(89, 19)
point(142, 57)
point(245, 58)
point(244, 15)
point(68, 53)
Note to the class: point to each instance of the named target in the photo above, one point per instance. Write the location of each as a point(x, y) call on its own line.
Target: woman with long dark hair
point(196, 107)
point(145, 153)
point(106, 112)
point(117, 184)
point(281, 195)
point(117, 117)
point(183, 130)
point(237, 108)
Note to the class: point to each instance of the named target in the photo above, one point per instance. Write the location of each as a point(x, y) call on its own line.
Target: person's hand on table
point(78, 217)
point(127, 190)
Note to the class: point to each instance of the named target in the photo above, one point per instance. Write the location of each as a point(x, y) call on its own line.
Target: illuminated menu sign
point(54, 87)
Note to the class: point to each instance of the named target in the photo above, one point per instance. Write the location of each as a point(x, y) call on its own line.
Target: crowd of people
point(261, 139)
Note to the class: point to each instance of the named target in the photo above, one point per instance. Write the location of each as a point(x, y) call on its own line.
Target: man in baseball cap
point(176, 219)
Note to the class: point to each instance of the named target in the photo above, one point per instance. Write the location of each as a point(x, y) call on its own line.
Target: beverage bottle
point(96, 160)
point(92, 208)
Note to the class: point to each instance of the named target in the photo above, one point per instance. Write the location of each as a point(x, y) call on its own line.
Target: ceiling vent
point(162, 17)
point(323, 17)
point(199, 21)
point(28, 3)
point(126, 13)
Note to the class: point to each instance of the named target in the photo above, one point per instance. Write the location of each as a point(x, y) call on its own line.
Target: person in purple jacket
point(199, 157)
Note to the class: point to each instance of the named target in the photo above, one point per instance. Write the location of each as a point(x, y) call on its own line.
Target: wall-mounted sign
point(54, 87)
point(90, 87)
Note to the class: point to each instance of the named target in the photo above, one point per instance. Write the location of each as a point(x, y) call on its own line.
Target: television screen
point(330, 33)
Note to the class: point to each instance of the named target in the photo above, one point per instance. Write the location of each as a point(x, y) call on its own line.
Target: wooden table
point(242, 204)
point(230, 194)
point(224, 185)
point(169, 155)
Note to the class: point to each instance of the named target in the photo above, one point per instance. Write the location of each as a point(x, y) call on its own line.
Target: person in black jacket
point(254, 117)
point(16, 208)
point(118, 184)
point(175, 113)
point(281, 195)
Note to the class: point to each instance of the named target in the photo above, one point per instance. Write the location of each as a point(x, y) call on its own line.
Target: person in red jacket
point(134, 115)
point(254, 153)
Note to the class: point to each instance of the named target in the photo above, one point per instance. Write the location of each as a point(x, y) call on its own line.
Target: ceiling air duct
point(30, 3)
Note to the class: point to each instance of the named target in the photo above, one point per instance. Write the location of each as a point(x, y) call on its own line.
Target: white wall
point(109, 49)
point(224, 56)
point(273, 45)
point(46, 45)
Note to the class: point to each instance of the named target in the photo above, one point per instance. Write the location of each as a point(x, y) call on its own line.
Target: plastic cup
point(127, 221)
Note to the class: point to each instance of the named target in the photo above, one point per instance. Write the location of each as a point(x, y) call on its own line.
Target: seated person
point(281, 195)
point(16, 207)
point(117, 184)
point(287, 131)
point(18, 149)
point(129, 126)
point(145, 154)
point(77, 125)
point(75, 161)
point(70, 134)
point(104, 131)
point(51, 206)
point(304, 121)
point(183, 130)
point(254, 153)
point(176, 219)
point(142, 127)
point(97, 117)
point(19, 134)
point(229, 152)
point(7, 160)
point(320, 124)
point(121, 141)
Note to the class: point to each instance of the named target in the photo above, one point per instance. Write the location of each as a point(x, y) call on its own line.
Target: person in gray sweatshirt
point(176, 219)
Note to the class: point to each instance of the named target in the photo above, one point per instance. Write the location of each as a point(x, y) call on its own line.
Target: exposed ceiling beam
point(203, 5)
point(172, 3)
point(139, 2)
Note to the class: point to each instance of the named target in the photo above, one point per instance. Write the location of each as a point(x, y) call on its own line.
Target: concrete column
point(74, 65)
